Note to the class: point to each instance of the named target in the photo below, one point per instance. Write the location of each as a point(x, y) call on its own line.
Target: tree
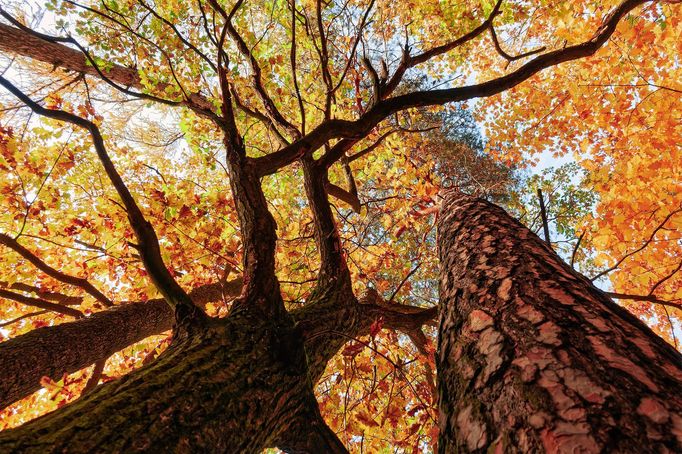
point(532, 356)
point(244, 83)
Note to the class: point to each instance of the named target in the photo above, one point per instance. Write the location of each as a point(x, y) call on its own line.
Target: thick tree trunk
point(533, 358)
point(233, 385)
point(239, 385)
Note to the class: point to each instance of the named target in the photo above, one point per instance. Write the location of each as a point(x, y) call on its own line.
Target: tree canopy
point(218, 154)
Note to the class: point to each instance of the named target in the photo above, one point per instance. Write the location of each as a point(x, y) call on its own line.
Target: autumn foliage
point(368, 91)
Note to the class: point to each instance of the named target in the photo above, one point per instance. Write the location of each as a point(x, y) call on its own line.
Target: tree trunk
point(233, 385)
point(533, 358)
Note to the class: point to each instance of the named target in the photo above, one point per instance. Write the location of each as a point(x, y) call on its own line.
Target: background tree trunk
point(532, 357)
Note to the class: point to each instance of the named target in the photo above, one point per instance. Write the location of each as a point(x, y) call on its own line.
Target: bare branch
point(408, 61)
point(343, 195)
point(577, 246)
point(95, 376)
point(543, 214)
point(397, 289)
point(506, 56)
point(333, 267)
point(647, 298)
point(665, 278)
point(184, 40)
point(256, 74)
point(376, 82)
point(22, 317)
point(49, 351)
point(645, 244)
point(397, 316)
point(356, 41)
point(364, 151)
point(26, 42)
point(324, 61)
point(253, 113)
point(60, 298)
point(293, 65)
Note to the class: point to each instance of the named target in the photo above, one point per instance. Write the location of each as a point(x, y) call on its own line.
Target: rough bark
point(232, 385)
point(234, 366)
point(333, 269)
point(16, 41)
point(56, 350)
point(533, 358)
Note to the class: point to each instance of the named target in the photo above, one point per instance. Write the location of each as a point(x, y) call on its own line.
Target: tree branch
point(645, 244)
point(82, 283)
point(577, 246)
point(30, 44)
point(543, 214)
point(21, 317)
point(292, 58)
point(324, 61)
point(254, 113)
point(665, 278)
point(40, 303)
point(256, 73)
point(149, 248)
point(336, 128)
point(95, 377)
point(309, 433)
point(647, 298)
point(506, 56)
point(333, 267)
point(408, 61)
point(343, 195)
point(53, 351)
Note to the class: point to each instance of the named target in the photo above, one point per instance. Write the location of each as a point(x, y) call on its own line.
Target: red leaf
point(352, 349)
point(376, 326)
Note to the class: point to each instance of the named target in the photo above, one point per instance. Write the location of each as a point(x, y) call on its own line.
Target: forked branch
point(355, 129)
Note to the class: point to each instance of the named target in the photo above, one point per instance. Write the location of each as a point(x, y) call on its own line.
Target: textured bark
point(333, 269)
point(16, 41)
point(232, 385)
point(533, 358)
point(56, 350)
point(222, 388)
point(311, 438)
